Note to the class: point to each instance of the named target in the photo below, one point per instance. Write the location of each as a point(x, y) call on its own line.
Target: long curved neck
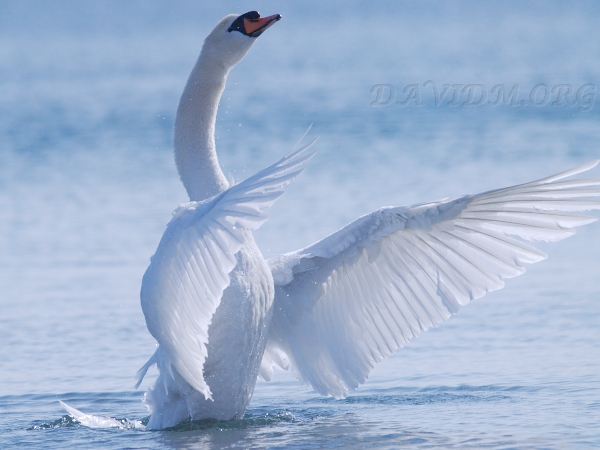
point(194, 139)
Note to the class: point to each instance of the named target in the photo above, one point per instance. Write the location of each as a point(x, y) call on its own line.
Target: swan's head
point(233, 36)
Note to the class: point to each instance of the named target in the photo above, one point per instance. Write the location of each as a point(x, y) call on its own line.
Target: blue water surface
point(88, 93)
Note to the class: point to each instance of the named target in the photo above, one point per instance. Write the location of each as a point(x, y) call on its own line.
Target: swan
point(223, 316)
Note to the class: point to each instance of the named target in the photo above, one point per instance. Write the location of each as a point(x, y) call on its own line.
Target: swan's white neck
point(194, 140)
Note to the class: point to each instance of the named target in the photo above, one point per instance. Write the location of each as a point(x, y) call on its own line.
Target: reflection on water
point(437, 416)
point(317, 430)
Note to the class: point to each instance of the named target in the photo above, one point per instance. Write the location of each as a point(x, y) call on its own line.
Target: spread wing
point(183, 285)
point(347, 302)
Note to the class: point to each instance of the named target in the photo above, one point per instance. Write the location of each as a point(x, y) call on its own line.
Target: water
point(87, 100)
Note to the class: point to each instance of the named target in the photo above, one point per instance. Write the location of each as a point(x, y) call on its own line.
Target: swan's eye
point(239, 23)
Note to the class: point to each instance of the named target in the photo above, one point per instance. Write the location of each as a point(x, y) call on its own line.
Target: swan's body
point(221, 387)
point(238, 333)
point(222, 314)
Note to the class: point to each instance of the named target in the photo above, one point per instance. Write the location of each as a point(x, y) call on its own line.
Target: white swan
point(333, 310)
point(207, 295)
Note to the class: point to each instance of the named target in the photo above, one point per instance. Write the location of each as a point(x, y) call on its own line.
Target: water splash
point(76, 417)
point(92, 421)
point(63, 422)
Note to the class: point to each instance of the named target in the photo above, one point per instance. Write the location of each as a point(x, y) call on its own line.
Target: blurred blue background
point(88, 92)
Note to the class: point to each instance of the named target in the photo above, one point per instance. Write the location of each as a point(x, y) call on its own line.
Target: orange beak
point(255, 27)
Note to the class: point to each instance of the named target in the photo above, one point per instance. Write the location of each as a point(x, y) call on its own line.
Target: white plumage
point(184, 284)
point(345, 303)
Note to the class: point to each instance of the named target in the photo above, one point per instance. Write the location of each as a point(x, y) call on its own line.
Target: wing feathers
point(346, 302)
point(183, 285)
